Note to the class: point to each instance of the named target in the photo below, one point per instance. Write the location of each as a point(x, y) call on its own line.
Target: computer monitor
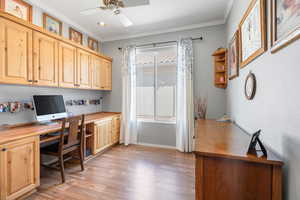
point(49, 107)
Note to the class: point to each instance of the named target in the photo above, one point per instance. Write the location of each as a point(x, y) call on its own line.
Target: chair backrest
point(76, 127)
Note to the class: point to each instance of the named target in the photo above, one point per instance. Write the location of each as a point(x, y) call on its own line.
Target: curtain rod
point(158, 43)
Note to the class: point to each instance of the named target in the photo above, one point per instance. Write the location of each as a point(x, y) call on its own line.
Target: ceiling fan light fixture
point(102, 24)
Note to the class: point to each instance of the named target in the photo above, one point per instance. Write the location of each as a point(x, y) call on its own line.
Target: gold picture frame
point(17, 8)
point(52, 24)
point(292, 33)
point(233, 56)
point(93, 44)
point(253, 34)
point(75, 36)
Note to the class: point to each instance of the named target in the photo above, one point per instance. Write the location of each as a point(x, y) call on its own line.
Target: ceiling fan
point(115, 6)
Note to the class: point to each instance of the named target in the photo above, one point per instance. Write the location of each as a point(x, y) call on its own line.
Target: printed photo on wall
point(93, 44)
point(17, 8)
point(14, 107)
point(233, 57)
point(4, 107)
point(252, 30)
point(52, 24)
point(75, 36)
point(285, 23)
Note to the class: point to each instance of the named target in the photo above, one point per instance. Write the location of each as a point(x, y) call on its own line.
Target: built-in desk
point(20, 150)
point(224, 170)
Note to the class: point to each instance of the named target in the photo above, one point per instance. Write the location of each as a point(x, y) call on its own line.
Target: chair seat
point(53, 149)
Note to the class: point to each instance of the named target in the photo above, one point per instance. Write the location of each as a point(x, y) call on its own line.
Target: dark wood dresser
point(224, 170)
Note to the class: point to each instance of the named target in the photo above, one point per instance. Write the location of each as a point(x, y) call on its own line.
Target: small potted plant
point(201, 108)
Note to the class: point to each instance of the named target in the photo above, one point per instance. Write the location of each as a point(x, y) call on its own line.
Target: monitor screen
point(49, 104)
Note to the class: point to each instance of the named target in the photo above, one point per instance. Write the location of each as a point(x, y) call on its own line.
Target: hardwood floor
point(124, 173)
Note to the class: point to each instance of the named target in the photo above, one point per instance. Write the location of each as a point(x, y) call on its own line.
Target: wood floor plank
point(124, 173)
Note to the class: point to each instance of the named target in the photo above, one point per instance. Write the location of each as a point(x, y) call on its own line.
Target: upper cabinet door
point(84, 69)
point(67, 65)
point(96, 72)
point(106, 82)
point(45, 60)
point(15, 53)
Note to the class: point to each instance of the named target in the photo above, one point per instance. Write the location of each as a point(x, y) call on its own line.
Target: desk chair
point(68, 143)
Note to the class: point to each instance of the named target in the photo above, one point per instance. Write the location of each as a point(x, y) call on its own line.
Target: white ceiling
point(157, 17)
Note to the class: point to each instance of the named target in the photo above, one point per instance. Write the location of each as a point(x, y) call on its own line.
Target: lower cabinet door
point(19, 168)
point(102, 135)
point(99, 136)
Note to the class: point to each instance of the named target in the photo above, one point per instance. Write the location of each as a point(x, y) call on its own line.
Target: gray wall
point(157, 133)
point(214, 37)
point(20, 93)
point(276, 106)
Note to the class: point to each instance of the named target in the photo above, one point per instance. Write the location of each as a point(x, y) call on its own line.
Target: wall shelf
point(220, 68)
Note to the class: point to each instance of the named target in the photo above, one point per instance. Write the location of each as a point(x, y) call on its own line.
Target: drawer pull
point(4, 149)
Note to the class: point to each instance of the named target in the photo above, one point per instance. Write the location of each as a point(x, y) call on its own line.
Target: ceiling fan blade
point(134, 3)
point(90, 11)
point(124, 20)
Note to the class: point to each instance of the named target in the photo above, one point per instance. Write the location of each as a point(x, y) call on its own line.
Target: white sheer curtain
point(129, 122)
point(185, 102)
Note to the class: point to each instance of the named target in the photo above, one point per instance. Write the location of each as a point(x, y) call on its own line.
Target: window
point(156, 83)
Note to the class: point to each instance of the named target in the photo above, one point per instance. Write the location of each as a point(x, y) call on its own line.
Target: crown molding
point(183, 28)
point(228, 9)
point(40, 4)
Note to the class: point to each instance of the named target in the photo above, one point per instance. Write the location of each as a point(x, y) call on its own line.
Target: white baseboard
point(156, 145)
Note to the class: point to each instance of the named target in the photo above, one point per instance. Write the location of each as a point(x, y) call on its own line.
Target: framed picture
point(75, 36)
point(233, 56)
point(93, 44)
point(17, 8)
point(52, 24)
point(252, 30)
point(285, 23)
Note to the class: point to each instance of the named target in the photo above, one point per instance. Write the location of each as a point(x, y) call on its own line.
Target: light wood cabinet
point(100, 134)
point(116, 124)
point(106, 78)
point(31, 56)
point(15, 53)
point(67, 65)
point(96, 73)
point(19, 168)
point(106, 134)
point(45, 60)
point(84, 69)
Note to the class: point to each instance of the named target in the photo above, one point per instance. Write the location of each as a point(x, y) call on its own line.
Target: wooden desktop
point(224, 170)
point(20, 150)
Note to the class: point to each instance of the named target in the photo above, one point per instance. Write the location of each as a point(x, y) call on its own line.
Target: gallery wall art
point(285, 23)
point(233, 56)
point(93, 44)
point(75, 36)
point(52, 24)
point(17, 8)
point(252, 29)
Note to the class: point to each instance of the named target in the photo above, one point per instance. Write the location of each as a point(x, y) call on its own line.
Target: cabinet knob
point(4, 149)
